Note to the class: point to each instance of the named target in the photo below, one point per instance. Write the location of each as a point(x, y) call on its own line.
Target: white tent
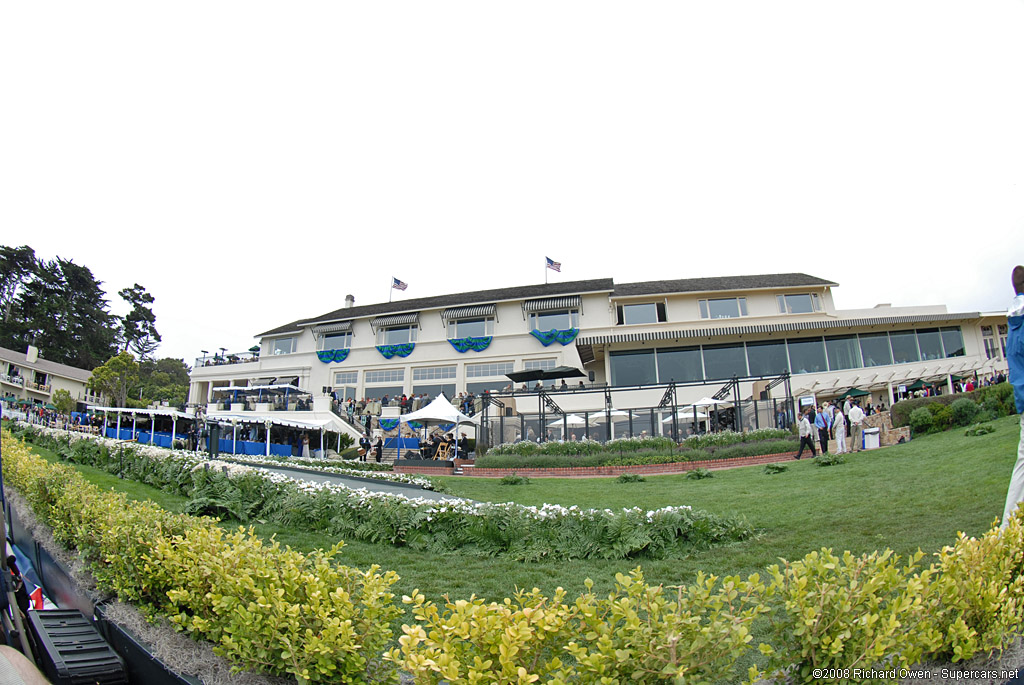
point(439, 411)
point(686, 415)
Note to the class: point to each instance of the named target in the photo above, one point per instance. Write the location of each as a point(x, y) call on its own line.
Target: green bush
point(828, 459)
point(979, 429)
point(964, 411)
point(942, 416)
point(772, 469)
point(514, 479)
point(699, 474)
point(995, 398)
point(921, 420)
point(630, 478)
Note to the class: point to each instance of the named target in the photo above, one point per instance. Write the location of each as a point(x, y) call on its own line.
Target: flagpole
point(391, 290)
point(545, 271)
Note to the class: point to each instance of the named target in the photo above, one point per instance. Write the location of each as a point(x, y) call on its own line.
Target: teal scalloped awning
point(401, 350)
point(328, 356)
point(465, 344)
point(554, 335)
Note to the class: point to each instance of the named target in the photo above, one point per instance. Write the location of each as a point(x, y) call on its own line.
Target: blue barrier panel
point(405, 443)
point(281, 450)
point(255, 448)
point(109, 432)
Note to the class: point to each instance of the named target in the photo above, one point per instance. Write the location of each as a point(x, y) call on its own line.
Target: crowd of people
point(827, 421)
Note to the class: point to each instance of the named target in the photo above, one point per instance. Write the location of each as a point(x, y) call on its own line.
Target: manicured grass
point(905, 497)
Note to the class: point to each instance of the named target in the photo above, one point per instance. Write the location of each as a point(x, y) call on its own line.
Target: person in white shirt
point(856, 425)
point(806, 439)
point(839, 426)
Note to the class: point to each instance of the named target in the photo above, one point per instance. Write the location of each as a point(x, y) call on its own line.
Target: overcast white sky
point(251, 163)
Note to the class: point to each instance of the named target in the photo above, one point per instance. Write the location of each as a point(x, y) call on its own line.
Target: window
point(396, 335)
point(991, 349)
point(650, 312)
point(336, 341)
point(433, 373)
point(380, 391)
point(561, 320)
point(492, 369)
point(680, 364)
point(767, 358)
point(490, 386)
point(727, 308)
point(538, 364)
point(803, 303)
point(952, 341)
point(432, 390)
point(904, 347)
point(470, 328)
point(633, 367)
point(843, 352)
point(346, 378)
point(930, 344)
point(874, 348)
point(807, 356)
point(724, 361)
point(385, 376)
point(282, 346)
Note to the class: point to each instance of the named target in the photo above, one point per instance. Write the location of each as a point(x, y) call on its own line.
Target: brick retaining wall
point(606, 471)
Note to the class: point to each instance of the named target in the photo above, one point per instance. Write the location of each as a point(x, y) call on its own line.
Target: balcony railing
point(39, 387)
point(13, 380)
point(229, 358)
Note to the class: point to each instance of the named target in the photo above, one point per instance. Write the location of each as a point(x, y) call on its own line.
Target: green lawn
point(906, 497)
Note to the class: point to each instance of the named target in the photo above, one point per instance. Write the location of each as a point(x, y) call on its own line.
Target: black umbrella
point(542, 375)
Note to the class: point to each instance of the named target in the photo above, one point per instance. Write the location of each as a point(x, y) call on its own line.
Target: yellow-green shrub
point(979, 592)
point(268, 609)
point(637, 634)
point(839, 614)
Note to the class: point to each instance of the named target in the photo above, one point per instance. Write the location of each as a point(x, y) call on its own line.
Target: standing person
point(824, 424)
point(839, 426)
point(305, 445)
point(1015, 360)
point(378, 449)
point(364, 447)
point(805, 434)
point(856, 426)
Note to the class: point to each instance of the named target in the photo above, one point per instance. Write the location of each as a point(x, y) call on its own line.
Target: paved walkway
point(375, 485)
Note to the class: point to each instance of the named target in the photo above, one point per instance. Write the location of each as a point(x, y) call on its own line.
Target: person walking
point(364, 447)
point(806, 439)
point(823, 423)
point(1015, 360)
point(857, 426)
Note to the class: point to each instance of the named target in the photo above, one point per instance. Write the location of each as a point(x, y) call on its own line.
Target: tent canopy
point(853, 392)
point(440, 410)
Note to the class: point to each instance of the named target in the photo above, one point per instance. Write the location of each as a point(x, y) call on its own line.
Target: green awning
point(49, 406)
point(916, 385)
point(853, 392)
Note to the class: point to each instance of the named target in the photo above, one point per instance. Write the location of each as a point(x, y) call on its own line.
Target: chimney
point(32, 354)
point(349, 301)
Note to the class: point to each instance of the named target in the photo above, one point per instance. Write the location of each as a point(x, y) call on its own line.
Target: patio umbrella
point(569, 420)
point(49, 406)
point(853, 392)
point(687, 414)
point(542, 375)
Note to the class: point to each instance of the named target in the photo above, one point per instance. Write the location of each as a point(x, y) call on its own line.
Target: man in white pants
point(1015, 359)
point(839, 425)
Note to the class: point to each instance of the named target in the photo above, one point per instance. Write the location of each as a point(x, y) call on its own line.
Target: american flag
point(553, 265)
point(397, 284)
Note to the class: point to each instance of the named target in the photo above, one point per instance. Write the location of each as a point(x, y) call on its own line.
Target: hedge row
point(281, 612)
point(995, 399)
point(487, 529)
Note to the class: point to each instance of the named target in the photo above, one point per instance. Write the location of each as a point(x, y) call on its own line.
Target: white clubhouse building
point(697, 333)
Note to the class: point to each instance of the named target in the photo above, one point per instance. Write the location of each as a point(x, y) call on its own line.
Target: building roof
point(694, 285)
point(44, 365)
point(605, 285)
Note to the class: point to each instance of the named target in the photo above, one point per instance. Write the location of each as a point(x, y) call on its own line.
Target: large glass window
point(724, 361)
point(904, 347)
point(336, 341)
point(282, 346)
point(396, 335)
point(767, 358)
point(346, 378)
point(648, 312)
point(874, 348)
point(385, 376)
point(538, 364)
point(432, 373)
point(377, 393)
point(843, 352)
point(634, 367)
point(434, 389)
point(930, 344)
point(471, 328)
point(492, 369)
point(556, 320)
point(803, 303)
point(680, 364)
point(725, 308)
point(489, 386)
point(952, 341)
point(806, 356)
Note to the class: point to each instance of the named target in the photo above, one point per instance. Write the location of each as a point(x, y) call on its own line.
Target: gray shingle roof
point(46, 366)
point(461, 299)
point(692, 285)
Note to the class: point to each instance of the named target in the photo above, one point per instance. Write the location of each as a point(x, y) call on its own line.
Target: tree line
point(61, 308)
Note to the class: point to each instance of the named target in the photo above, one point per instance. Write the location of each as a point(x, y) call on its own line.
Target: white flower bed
point(317, 465)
